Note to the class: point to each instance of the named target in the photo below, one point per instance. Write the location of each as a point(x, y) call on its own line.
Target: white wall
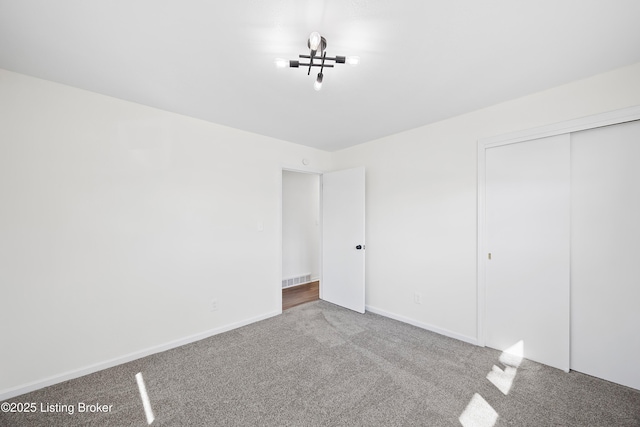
point(422, 192)
point(120, 223)
point(300, 224)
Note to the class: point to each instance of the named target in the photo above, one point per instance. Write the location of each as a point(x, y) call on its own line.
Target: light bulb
point(314, 40)
point(281, 63)
point(353, 60)
point(318, 83)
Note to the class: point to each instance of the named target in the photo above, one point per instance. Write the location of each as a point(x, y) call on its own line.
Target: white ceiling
point(421, 61)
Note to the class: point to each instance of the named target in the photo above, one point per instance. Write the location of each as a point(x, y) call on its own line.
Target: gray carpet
point(318, 364)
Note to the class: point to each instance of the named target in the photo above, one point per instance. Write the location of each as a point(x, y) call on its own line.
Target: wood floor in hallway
point(300, 294)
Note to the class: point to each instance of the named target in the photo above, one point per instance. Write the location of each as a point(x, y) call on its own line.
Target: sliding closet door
point(605, 257)
point(527, 224)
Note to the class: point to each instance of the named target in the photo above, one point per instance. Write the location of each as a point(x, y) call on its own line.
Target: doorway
point(328, 235)
point(300, 238)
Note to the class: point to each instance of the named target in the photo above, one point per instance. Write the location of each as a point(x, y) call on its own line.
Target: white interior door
point(343, 238)
point(605, 253)
point(528, 236)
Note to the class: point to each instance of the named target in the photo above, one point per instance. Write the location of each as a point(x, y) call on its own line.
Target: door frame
point(319, 173)
point(569, 126)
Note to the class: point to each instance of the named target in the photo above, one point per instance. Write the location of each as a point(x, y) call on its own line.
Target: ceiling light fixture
point(317, 45)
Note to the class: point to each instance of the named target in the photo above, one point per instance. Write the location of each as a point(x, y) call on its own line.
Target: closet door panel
point(527, 226)
point(605, 253)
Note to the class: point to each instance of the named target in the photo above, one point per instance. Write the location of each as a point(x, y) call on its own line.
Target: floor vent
point(295, 281)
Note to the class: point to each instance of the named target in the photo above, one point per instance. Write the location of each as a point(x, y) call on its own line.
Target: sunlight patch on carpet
point(511, 358)
point(146, 404)
point(478, 413)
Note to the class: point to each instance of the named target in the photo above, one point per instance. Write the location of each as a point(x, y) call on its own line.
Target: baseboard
point(66, 376)
point(311, 280)
point(428, 327)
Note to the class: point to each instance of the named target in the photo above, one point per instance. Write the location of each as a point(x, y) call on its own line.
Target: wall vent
point(297, 280)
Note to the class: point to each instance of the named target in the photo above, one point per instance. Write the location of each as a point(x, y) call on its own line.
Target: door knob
point(359, 247)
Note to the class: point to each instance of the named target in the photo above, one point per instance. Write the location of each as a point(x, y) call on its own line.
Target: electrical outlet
point(417, 298)
point(214, 305)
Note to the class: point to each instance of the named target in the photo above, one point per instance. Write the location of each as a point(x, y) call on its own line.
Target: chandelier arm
point(337, 59)
point(306, 64)
point(311, 62)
